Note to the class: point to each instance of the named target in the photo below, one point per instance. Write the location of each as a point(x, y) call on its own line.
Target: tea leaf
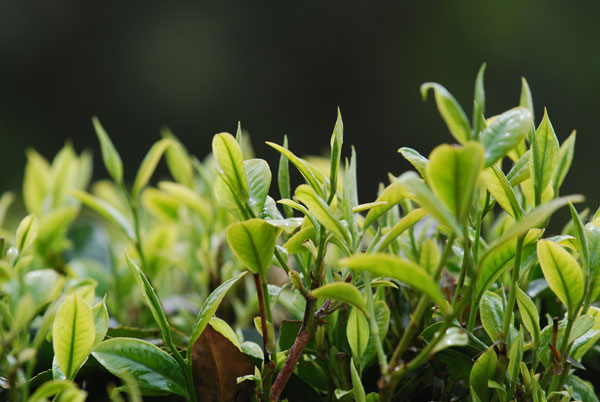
point(562, 272)
point(525, 100)
point(178, 160)
point(451, 112)
point(430, 256)
point(565, 158)
point(110, 156)
point(227, 199)
point(502, 191)
point(337, 138)
point(357, 333)
point(49, 389)
point(479, 103)
point(357, 387)
point(100, 321)
point(149, 165)
point(515, 356)
point(582, 390)
point(406, 222)
point(342, 291)
point(26, 232)
point(529, 314)
point(311, 175)
point(453, 173)
point(73, 334)
point(452, 337)
point(259, 181)
point(391, 196)
point(107, 211)
point(416, 159)
point(505, 133)
point(423, 195)
point(210, 305)
point(149, 366)
point(520, 170)
point(482, 371)
point(228, 155)
point(491, 312)
point(253, 242)
point(321, 211)
point(544, 156)
point(283, 178)
point(295, 244)
point(216, 365)
point(397, 268)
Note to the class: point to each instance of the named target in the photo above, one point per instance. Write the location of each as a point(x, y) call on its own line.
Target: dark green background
point(283, 67)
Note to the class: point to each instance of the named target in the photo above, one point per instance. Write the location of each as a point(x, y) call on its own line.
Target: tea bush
point(206, 288)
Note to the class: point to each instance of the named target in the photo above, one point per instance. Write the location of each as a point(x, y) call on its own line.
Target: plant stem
point(512, 294)
point(373, 323)
point(263, 304)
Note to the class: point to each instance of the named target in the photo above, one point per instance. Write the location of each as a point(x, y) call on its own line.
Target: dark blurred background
point(283, 68)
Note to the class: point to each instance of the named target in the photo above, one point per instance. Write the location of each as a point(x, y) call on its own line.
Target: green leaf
point(429, 258)
point(565, 158)
point(491, 312)
point(582, 241)
point(544, 156)
point(529, 314)
point(406, 222)
point(44, 285)
point(108, 211)
point(110, 156)
point(321, 211)
point(151, 300)
point(50, 389)
point(310, 174)
point(453, 173)
point(482, 371)
point(451, 112)
point(504, 133)
point(36, 182)
point(73, 334)
point(357, 333)
point(582, 390)
point(525, 100)
point(100, 313)
point(502, 191)
point(64, 171)
point(227, 199)
point(342, 291)
point(26, 232)
point(210, 305)
point(452, 337)
point(391, 196)
point(479, 103)
point(149, 366)
point(178, 160)
point(520, 170)
point(259, 181)
point(416, 159)
point(400, 269)
point(187, 197)
point(253, 242)
point(350, 190)
point(228, 155)
point(357, 387)
point(283, 178)
point(337, 139)
point(296, 243)
point(562, 272)
point(149, 165)
point(515, 356)
point(425, 197)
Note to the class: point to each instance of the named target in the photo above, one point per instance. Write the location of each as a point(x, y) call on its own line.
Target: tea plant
point(438, 289)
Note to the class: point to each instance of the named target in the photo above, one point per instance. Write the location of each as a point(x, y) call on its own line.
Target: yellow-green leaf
point(500, 188)
point(406, 222)
point(357, 333)
point(110, 156)
point(544, 157)
point(108, 211)
point(391, 196)
point(26, 232)
point(73, 334)
point(321, 211)
point(149, 165)
point(228, 155)
point(398, 268)
point(504, 133)
point(342, 291)
point(36, 183)
point(451, 112)
point(253, 242)
point(562, 272)
point(453, 173)
point(529, 314)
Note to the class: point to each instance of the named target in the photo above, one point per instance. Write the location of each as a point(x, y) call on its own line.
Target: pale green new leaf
point(565, 158)
point(406, 222)
point(390, 197)
point(451, 112)
point(515, 356)
point(100, 313)
point(337, 139)
point(357, 387)
point(73, 334)
point(429, 257)
point(36, 182)
point(110, 156)
point(149, 366)
point(416, 159)
point(357, 333)
point(479, 103)
point(562, 272)
point(310, 174)
point(504, 133)
point(178, 160)
point(502, 191)
point(520, 170)
point(253, 242)
point(321, 211)
point(453, 173)
point(544, 156)
point(230, 159)
point(529, 314)
point(341, 291)
point(106, 210)
point(259, 180)
point(208, 309)
point(526, 100)
point(452, 337)
point(491, 312)
point(400, 269)
point(26, 232)
point(149, 165)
